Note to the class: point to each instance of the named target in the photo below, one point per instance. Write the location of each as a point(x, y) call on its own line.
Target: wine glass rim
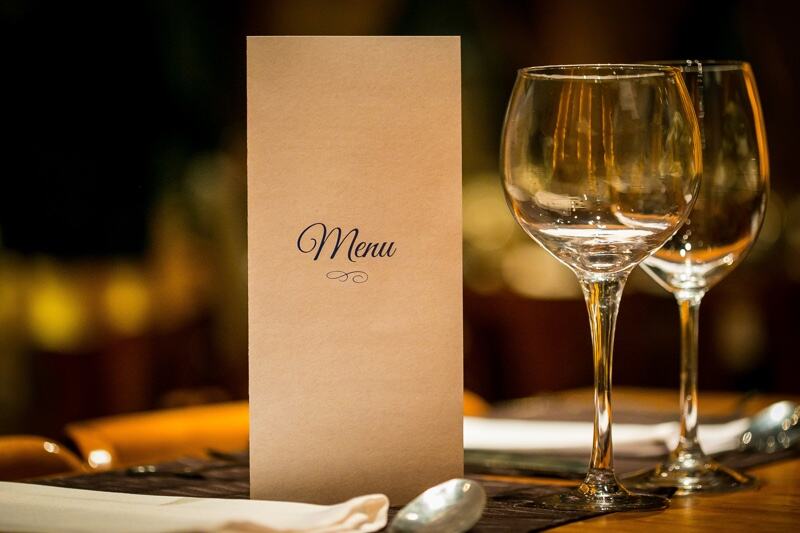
point(707, 65)
point(598, 71)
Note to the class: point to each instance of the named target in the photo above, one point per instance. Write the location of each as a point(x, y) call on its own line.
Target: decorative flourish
point(356, 276)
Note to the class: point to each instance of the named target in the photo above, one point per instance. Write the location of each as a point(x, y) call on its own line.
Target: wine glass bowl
point(600, 166)
point(605, 171)
point(730, 208)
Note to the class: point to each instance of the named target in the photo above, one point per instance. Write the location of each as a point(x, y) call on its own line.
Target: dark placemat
point(507, 509)
point(573, 465)
point(213, 479)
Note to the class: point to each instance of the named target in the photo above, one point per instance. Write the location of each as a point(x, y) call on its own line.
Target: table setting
point(509, 480)
point(355, 308)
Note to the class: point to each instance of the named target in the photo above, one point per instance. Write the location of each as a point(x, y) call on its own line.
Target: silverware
point(774, 428)
point(450, 507)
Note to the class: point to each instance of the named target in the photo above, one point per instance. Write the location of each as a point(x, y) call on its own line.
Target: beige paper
point(355, 336)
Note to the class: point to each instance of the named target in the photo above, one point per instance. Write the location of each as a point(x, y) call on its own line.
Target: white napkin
point(34, 508)
point(533, 435)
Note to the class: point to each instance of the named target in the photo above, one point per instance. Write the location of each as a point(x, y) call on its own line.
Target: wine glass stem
point(689, 305)
point(602, 294)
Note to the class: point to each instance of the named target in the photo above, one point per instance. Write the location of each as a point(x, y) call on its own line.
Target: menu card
point(354, 235)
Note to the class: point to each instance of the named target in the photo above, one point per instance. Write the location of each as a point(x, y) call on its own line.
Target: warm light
point(532, 272)
point(126, 300)
point(487, 223)
point(99, 459)
point(50, 447)
point(56, 312)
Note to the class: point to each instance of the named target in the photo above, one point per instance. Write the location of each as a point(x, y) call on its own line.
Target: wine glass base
point(704, 476)
point(620, 500)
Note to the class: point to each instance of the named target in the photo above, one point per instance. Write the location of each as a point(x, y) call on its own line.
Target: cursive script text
point(318, 239)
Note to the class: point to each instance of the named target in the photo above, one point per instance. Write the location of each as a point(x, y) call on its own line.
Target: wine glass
point(721, 228)
point(601, 165)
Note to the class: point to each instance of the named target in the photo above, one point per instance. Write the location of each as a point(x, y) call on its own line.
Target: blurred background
point(122, 200)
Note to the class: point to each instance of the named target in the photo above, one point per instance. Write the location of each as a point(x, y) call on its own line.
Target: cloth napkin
point(34, 508)
point(532, 435)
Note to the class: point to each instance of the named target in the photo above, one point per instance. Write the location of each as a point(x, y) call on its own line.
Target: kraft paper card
point(354, 235)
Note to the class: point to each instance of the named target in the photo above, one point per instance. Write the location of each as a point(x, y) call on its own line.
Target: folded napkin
point(533, 435)
point(33, 508)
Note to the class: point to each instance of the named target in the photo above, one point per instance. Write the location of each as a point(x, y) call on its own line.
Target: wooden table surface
point(773, 506)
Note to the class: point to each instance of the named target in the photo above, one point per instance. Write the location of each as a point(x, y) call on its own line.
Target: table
point(774, 506)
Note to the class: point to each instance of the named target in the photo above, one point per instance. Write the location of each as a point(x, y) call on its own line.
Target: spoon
point(774, 428)
point(450, 507)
